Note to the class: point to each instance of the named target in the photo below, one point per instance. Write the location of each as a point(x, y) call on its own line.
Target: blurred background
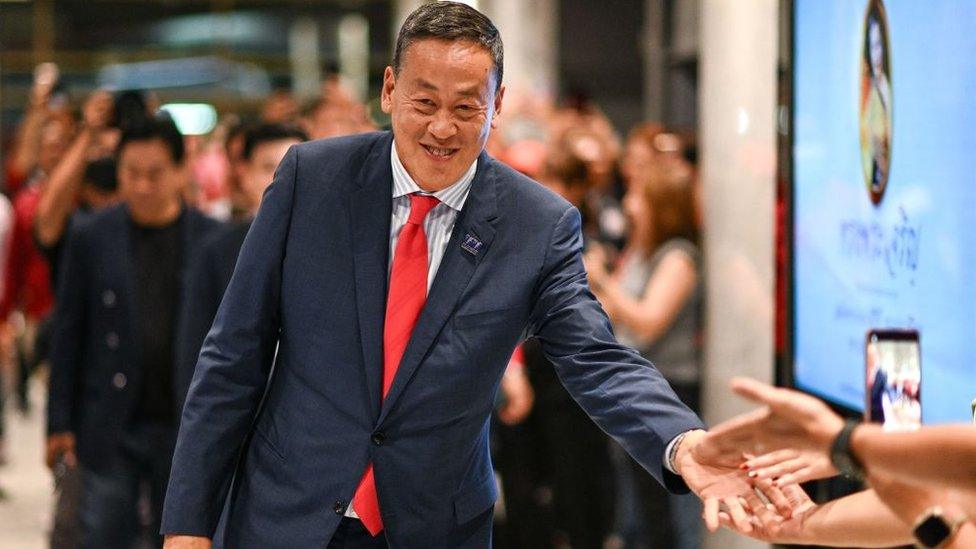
point(602, 97)
point(711, 113)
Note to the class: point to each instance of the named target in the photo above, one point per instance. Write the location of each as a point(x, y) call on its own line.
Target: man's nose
point(442, 127)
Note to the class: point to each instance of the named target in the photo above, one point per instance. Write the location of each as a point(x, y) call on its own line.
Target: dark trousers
point(122, 501)
point(351, 534)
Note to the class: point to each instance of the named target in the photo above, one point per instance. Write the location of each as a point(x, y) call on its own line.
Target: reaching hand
point(768, 525)
point(721, 483)
point(60, 448)
point(785, 467)
point(789, 419)
point(46, 76)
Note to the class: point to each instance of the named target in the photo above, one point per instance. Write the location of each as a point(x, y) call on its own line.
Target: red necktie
point(408, 291)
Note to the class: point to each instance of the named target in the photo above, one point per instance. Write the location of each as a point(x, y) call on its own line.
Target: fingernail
point(753, 474)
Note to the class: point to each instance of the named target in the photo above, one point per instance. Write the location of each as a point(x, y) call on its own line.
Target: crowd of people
point(120, 236)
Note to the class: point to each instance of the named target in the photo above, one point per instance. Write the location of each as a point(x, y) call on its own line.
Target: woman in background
point(653, 298)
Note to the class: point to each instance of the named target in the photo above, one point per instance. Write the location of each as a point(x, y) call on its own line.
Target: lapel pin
point(471, 244)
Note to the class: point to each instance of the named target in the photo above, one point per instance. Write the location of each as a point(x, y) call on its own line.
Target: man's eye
point(426, 102)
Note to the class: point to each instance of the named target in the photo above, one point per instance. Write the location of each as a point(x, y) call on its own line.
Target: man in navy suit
point(342, 396)
point(111, 407)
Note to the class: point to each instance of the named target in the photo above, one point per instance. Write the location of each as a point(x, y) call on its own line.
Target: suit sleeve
point(621, 391)
point(69, 330)
point(232, 370)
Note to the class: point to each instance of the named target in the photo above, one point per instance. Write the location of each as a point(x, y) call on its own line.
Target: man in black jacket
point(112, 406)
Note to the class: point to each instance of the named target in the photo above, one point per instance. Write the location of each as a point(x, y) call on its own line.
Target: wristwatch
point(933, 528)
point(841, 455)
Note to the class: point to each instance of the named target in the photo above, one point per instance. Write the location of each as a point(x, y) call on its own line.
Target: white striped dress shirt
point(439, 223)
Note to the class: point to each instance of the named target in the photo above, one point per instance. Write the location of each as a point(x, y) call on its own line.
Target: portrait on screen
point(875, 101)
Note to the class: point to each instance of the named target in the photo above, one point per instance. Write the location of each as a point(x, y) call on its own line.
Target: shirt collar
point(454, 195)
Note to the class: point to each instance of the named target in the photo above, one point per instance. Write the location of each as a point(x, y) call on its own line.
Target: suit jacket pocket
point(484, 318)
point(266, 440)
point(475, 499)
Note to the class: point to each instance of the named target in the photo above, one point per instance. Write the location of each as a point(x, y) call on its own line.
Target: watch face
point(932, 531)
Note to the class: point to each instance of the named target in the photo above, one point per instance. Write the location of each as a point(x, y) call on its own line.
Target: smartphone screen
point(893, 367)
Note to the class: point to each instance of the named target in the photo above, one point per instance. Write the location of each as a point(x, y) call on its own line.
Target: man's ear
point(386, 94)
point(498, 106)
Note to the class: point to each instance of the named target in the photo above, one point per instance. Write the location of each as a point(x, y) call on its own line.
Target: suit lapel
point(475, 220)
point(371, 203)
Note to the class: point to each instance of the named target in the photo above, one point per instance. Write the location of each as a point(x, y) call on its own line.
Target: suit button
point(108, 298)
point(112, 340)
point(119, 380)
point(378, 438)
point(339, 508)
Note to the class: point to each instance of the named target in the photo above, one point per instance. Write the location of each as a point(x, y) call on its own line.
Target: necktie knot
point(420, 206)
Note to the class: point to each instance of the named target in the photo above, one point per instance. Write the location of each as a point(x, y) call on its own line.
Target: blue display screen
point(884, 194)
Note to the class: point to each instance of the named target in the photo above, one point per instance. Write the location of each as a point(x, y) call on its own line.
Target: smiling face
point(442, 104)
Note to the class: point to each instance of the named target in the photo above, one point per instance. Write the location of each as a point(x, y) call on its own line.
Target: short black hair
point(265, 133)
point(101, 175)
point(161, 127)
point(450, 21)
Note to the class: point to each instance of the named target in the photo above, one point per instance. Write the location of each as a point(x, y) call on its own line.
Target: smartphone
point(893, 378)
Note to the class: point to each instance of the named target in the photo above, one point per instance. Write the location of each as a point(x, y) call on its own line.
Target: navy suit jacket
point(308, 295)
point(95, 356)
point(207, 278)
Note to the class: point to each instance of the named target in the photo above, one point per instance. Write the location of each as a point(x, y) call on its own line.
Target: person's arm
point(909, 502)
point(27, 142)
point(59, 196)
point(941, 455)
point(667, 291)
point(622, 392)
point(232, 372)
point(858, 520)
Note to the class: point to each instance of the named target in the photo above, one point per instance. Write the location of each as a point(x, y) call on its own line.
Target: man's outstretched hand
point(721, 483)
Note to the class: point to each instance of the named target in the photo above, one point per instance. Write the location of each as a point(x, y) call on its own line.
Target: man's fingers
point(781, 502)
point(710, 514)
point(764, 516)
point(738, 513)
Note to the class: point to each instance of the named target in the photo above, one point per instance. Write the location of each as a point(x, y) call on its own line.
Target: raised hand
point(788, 420)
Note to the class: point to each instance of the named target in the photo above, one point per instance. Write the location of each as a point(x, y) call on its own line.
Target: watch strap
point(841, 455)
